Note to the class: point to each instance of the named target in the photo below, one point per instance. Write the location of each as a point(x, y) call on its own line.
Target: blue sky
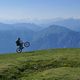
point(39, 9)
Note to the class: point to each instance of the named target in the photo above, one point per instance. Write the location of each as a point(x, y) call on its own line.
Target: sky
point(39, 9)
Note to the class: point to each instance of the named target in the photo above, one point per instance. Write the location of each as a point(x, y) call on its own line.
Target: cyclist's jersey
point(18, 42)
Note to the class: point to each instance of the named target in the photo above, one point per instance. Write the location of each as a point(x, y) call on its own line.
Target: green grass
point(51, 64)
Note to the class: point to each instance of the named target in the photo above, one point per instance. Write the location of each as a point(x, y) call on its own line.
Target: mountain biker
point(19, 43)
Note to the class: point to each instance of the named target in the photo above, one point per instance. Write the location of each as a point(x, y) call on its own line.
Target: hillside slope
point(51, 64)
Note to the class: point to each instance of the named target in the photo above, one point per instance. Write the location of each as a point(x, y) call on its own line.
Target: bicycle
point(25, 44)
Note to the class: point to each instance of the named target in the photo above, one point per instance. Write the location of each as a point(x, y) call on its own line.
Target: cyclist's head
point(18, 38)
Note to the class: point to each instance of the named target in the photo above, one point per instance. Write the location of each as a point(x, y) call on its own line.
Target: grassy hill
point(51, 64)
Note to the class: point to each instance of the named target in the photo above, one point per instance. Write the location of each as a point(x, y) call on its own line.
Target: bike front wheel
point(27, 44)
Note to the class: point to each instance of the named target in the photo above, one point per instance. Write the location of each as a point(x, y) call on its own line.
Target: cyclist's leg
point(21, 45)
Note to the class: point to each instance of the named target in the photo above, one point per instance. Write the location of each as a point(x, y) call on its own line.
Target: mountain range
point(71, 23)
point(53, 36)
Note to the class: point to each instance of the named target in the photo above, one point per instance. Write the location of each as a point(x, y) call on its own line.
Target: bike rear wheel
point(18, 50)
point(27, 44)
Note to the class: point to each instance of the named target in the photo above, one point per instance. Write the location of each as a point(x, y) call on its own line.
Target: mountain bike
point(25, 44)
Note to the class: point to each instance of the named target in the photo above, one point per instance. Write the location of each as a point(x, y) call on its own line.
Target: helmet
point(18, 38)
